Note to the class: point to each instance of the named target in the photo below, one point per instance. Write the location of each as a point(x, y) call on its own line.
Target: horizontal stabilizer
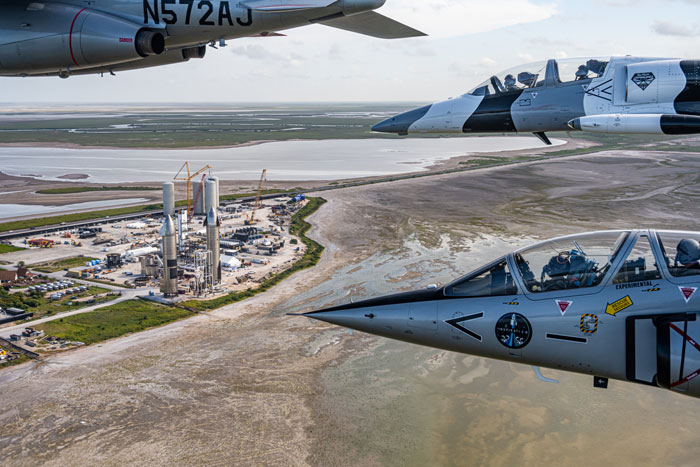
point(286, 5)
point(373, 24)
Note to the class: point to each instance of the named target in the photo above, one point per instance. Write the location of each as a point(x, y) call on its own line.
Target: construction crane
point(251, 220)
point(187, 179)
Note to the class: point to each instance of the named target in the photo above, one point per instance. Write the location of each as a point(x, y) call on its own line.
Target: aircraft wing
point(371, 23)
point(285, 5)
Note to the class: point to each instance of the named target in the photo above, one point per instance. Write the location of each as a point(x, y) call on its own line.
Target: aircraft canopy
point(533, 75)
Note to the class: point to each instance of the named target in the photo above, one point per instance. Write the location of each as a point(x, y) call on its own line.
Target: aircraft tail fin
point(371, 23)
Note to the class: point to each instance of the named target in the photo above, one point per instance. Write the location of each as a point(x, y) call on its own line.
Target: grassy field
point(58, 265)
point(78, 216)
point(113, 321)
point(199, 126)
point(84, 189)
point(4, 248)
point(312, 255)
point(41, 306)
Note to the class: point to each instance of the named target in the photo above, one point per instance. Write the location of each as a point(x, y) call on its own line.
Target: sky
point(468, 40)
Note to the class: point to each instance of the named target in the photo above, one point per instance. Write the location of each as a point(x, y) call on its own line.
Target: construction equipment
point(251, 219)
point(187, 179)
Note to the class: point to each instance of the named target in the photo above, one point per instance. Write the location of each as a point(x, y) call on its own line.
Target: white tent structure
point(230, 262)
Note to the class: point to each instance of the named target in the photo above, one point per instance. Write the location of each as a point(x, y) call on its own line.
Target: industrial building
point(181, 253)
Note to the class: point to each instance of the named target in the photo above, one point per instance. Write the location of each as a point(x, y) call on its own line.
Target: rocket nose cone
point(168, 227)
point(575, 124)
point(211, 216)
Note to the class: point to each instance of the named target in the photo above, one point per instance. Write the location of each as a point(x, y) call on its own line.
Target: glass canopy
point(533, 75)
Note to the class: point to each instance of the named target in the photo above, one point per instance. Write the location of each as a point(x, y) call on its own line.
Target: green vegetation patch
point(5, 248)
point(299, 227)
point(80, 216)
point(113, 321)
point(263, 192)
point(41, 306)
point(57, 265)
point(84, 189)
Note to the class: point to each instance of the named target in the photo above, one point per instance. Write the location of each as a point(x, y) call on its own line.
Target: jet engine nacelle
point(655, 124)
point(65, 37)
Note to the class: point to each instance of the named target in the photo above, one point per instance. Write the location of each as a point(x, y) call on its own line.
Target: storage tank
point(210, 198)
point(168, 282)
point(136, 252)
point(168, 199)
point(218, 190)
point(198, 195)
point(213, 225)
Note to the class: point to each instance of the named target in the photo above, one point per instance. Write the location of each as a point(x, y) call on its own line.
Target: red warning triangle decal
point(563, 305)
point(687, 292)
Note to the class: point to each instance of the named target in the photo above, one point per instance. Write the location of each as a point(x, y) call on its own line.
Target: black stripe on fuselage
point(680, 124)
point(688, 101)
point(425, 295)
point(493, 114)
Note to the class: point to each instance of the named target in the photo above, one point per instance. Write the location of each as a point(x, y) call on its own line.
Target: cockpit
point(569, 262)
point(583, 261)
point(536, 74)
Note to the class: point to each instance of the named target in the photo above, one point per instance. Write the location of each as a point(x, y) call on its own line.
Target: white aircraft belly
point(447, 116)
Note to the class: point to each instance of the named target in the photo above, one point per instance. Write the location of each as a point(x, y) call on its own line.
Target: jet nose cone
point(349, 318)
point(385, 126)
point(400, 123)
point(575, 124)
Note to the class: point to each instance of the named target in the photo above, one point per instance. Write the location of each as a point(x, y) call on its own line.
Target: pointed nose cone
point(168, 227)
point(353, 318)
point(212, 218)
point(399, 124)
point(575, 124)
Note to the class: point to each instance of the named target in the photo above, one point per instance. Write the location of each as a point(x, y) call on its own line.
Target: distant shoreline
point(144, 148)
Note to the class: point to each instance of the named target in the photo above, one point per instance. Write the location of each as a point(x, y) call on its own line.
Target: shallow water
point(16, 210)
point(285, 160)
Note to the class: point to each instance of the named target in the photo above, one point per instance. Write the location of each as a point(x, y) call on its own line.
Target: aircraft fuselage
point(623, 95)
point(617, 304)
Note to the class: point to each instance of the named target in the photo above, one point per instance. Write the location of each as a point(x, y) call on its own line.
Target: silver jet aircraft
point(612, 304)
point(45, 38)
point(603, 95)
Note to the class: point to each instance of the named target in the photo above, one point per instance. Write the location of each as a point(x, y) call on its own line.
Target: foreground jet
point(46, 38)
point(615, 95)
point(613, 304)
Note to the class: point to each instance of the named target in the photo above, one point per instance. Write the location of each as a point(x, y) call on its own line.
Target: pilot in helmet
point(582, 72)
point(557, 267)
point(688, 254)
point(509, 82)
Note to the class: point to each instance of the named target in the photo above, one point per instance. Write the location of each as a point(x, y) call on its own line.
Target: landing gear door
point(679, 352)
point(661, 350)
point(641, 349)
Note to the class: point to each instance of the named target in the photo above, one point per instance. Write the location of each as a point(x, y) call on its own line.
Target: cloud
point(668, 28)
point(450, 18)
point(258, 52)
